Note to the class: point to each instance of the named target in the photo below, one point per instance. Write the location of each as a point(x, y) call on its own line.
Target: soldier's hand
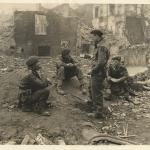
point(115, 80)
point(109, 78)
point(41, 74)
point(70, 65)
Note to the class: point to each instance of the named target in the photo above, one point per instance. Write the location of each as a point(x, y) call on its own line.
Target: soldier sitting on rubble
point(117, 76)
point(67, 68)
point(34, 91)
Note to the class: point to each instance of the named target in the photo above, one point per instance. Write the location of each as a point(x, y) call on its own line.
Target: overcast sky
point(9, 7)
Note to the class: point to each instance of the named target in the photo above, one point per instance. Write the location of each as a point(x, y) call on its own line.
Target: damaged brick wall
point(61, 28)
point(57, 30)
point(135, 30)
point(24, 31)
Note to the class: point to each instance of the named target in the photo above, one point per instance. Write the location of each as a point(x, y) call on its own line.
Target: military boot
point(59, 87)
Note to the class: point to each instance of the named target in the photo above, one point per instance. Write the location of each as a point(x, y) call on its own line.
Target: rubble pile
point(111, 39)
point(138, 47)
point(33, 129)
point(8, 64)
point(6, 32)
point(142, 76)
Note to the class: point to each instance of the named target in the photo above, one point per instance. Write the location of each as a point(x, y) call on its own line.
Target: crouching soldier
point(118, 78)
point(67, 68)
point(34, 91)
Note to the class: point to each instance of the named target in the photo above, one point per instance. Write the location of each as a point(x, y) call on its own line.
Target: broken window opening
point(40, 25)
point(44, 50)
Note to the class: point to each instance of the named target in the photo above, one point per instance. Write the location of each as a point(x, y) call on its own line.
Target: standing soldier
point(98, 73)
point(34, 91)
point(67, 68)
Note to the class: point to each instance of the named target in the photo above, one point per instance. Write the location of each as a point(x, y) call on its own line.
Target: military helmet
point(97, 32)
point(32, 60)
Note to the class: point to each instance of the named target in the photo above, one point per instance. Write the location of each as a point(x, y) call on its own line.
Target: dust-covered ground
point(68, 113)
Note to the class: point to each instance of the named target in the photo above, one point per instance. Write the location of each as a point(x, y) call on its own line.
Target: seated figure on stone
point(67, 68)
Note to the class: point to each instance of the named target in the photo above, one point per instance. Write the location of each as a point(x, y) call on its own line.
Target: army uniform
point(117, 71)
point(98, 75)
point(33, 92)
point(125, 87)
point(64, 71)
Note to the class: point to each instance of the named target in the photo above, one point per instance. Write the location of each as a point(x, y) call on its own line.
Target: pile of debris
point(8, 64)
point(6, 32)
point(144, 76)
point(39, 139)
point(116, 127)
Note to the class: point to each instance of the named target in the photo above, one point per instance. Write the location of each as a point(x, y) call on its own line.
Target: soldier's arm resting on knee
point(61, 63)
point(74, 63)
point(37, 82)
point(125, 75)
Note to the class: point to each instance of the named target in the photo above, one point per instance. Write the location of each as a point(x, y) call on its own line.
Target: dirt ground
point(68, 113)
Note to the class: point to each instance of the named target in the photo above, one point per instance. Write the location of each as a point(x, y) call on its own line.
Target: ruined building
point(129, 23)
point(121, 20)
point(40, 33)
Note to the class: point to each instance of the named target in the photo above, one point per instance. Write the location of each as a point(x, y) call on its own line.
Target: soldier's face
point(116, 63)
point(96, 38)
point(37, 66)
point(123, 62)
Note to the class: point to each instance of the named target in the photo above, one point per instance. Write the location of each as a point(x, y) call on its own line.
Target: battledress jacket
point(100, 60)
point(33, 82)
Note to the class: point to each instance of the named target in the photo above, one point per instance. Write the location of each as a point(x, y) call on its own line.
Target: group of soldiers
point(34, 87)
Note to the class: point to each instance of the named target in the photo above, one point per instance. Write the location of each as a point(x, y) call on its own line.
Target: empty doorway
point(44, 50)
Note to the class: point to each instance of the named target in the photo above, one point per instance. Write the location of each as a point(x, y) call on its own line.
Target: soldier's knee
point(46, 91)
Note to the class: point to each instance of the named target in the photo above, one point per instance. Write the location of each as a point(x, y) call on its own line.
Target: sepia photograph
point(74, 74)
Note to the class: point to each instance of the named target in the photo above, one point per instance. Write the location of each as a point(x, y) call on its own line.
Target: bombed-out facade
point(40, 33)
point(129, 23)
